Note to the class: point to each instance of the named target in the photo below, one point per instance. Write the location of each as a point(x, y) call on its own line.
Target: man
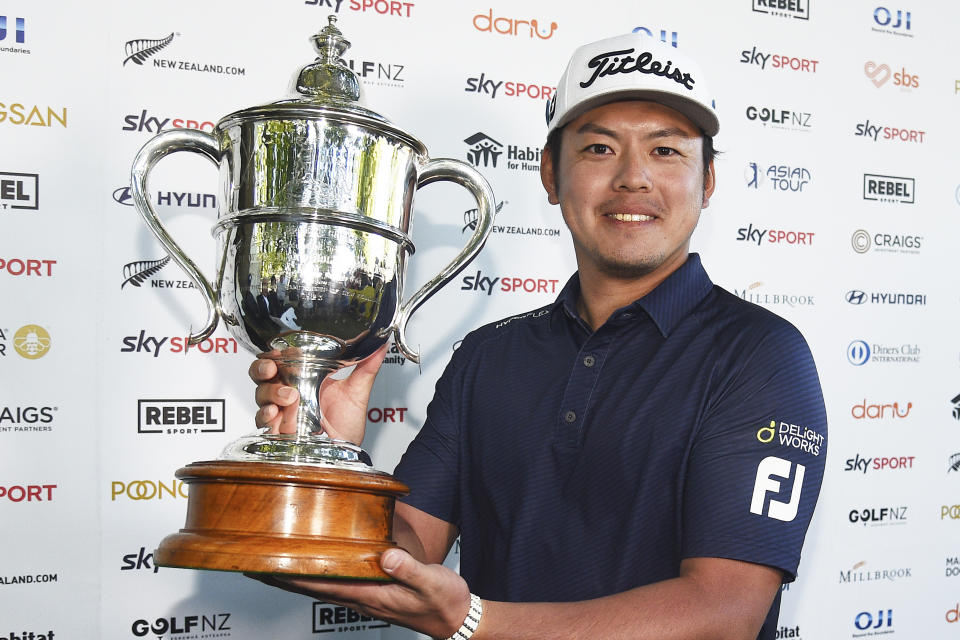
point(612, 462)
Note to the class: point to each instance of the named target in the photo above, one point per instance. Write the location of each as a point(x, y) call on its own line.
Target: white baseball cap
point(633, 66)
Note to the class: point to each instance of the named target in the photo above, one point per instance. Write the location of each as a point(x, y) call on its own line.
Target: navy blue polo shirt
point(580, 463)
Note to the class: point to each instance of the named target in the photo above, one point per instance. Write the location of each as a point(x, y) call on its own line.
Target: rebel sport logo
point(19, 191)
point(894, 189)
point(799, 9)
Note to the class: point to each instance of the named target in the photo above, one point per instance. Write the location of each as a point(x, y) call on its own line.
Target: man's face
point(630, 183)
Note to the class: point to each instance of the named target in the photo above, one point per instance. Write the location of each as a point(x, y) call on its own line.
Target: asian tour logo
point(781, 177)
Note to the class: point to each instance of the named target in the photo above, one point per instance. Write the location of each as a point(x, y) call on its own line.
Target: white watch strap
point(471, 622)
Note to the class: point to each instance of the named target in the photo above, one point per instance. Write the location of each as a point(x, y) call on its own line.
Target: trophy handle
point(466, 176)
point(151, 153)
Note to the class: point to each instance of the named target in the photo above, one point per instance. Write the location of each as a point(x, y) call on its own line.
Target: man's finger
point(361, 379)
point(262, 370)
point(403, 567)
point(275, 393)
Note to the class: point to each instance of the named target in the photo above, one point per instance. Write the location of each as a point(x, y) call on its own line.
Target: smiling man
point(620, 463)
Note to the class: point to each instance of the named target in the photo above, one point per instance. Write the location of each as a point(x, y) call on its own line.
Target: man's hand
point(343, 403)
point(428, 598)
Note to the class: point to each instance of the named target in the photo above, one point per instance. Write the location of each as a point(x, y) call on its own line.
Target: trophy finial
point(328, 78)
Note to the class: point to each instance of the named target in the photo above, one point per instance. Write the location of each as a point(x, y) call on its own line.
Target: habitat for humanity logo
point(471, 216)
point(143, 50)
point(484, 151)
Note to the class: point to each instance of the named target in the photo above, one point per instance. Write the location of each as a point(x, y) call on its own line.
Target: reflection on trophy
point(316, 196)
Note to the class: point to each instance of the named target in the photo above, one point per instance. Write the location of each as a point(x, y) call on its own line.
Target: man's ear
point(548, 176)
point(709, 184)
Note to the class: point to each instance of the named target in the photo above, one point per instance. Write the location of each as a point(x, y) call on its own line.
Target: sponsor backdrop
point(838, 207)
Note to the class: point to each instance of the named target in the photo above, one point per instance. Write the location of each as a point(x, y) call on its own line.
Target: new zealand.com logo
point(139, 50)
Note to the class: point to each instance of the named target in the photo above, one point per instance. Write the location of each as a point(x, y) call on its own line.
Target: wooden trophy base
point(261, 517)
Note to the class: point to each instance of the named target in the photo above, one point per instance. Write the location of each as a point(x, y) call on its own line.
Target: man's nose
point(633, 173)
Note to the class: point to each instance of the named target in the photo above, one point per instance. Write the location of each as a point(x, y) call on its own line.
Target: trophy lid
point(326, 88)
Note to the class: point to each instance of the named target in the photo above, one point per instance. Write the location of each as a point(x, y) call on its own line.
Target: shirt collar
point(669, 303)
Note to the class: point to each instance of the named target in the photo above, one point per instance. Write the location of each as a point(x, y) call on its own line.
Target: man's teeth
point(630, 217)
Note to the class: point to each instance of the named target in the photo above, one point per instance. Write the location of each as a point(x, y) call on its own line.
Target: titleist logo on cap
point(622, 62)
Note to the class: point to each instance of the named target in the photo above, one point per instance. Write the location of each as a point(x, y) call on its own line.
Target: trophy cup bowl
point(316, 201)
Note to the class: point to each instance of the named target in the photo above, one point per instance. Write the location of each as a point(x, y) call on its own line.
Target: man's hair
point(554, 139)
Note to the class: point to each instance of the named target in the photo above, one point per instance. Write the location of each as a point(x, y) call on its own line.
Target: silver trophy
point(316, 202)
point(312, 237)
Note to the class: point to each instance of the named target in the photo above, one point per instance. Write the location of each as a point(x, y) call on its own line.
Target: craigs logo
point(512, 27)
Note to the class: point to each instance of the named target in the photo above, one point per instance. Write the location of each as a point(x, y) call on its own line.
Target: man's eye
point(664, 151)
point(598, 148)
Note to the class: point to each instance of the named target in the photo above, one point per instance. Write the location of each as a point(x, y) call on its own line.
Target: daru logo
point(769, 469)
point(20, 29)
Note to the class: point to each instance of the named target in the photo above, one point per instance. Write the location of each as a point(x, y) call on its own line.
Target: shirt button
point(589, 361)
point(570, 416)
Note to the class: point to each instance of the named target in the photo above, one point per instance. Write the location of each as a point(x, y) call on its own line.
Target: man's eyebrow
point(668, 132)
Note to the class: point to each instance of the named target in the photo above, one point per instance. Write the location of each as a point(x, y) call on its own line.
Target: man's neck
point(601, 294)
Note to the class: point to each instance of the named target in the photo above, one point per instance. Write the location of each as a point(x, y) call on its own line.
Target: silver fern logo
point(135, 273)
point(139, 50)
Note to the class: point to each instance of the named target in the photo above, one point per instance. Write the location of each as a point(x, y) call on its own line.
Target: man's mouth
point(630, 217)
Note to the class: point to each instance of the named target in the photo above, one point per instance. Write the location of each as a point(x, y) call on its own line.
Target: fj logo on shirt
point(769, 473)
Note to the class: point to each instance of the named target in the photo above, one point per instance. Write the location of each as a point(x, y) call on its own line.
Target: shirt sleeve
point(430, 466)
point(757, 460)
